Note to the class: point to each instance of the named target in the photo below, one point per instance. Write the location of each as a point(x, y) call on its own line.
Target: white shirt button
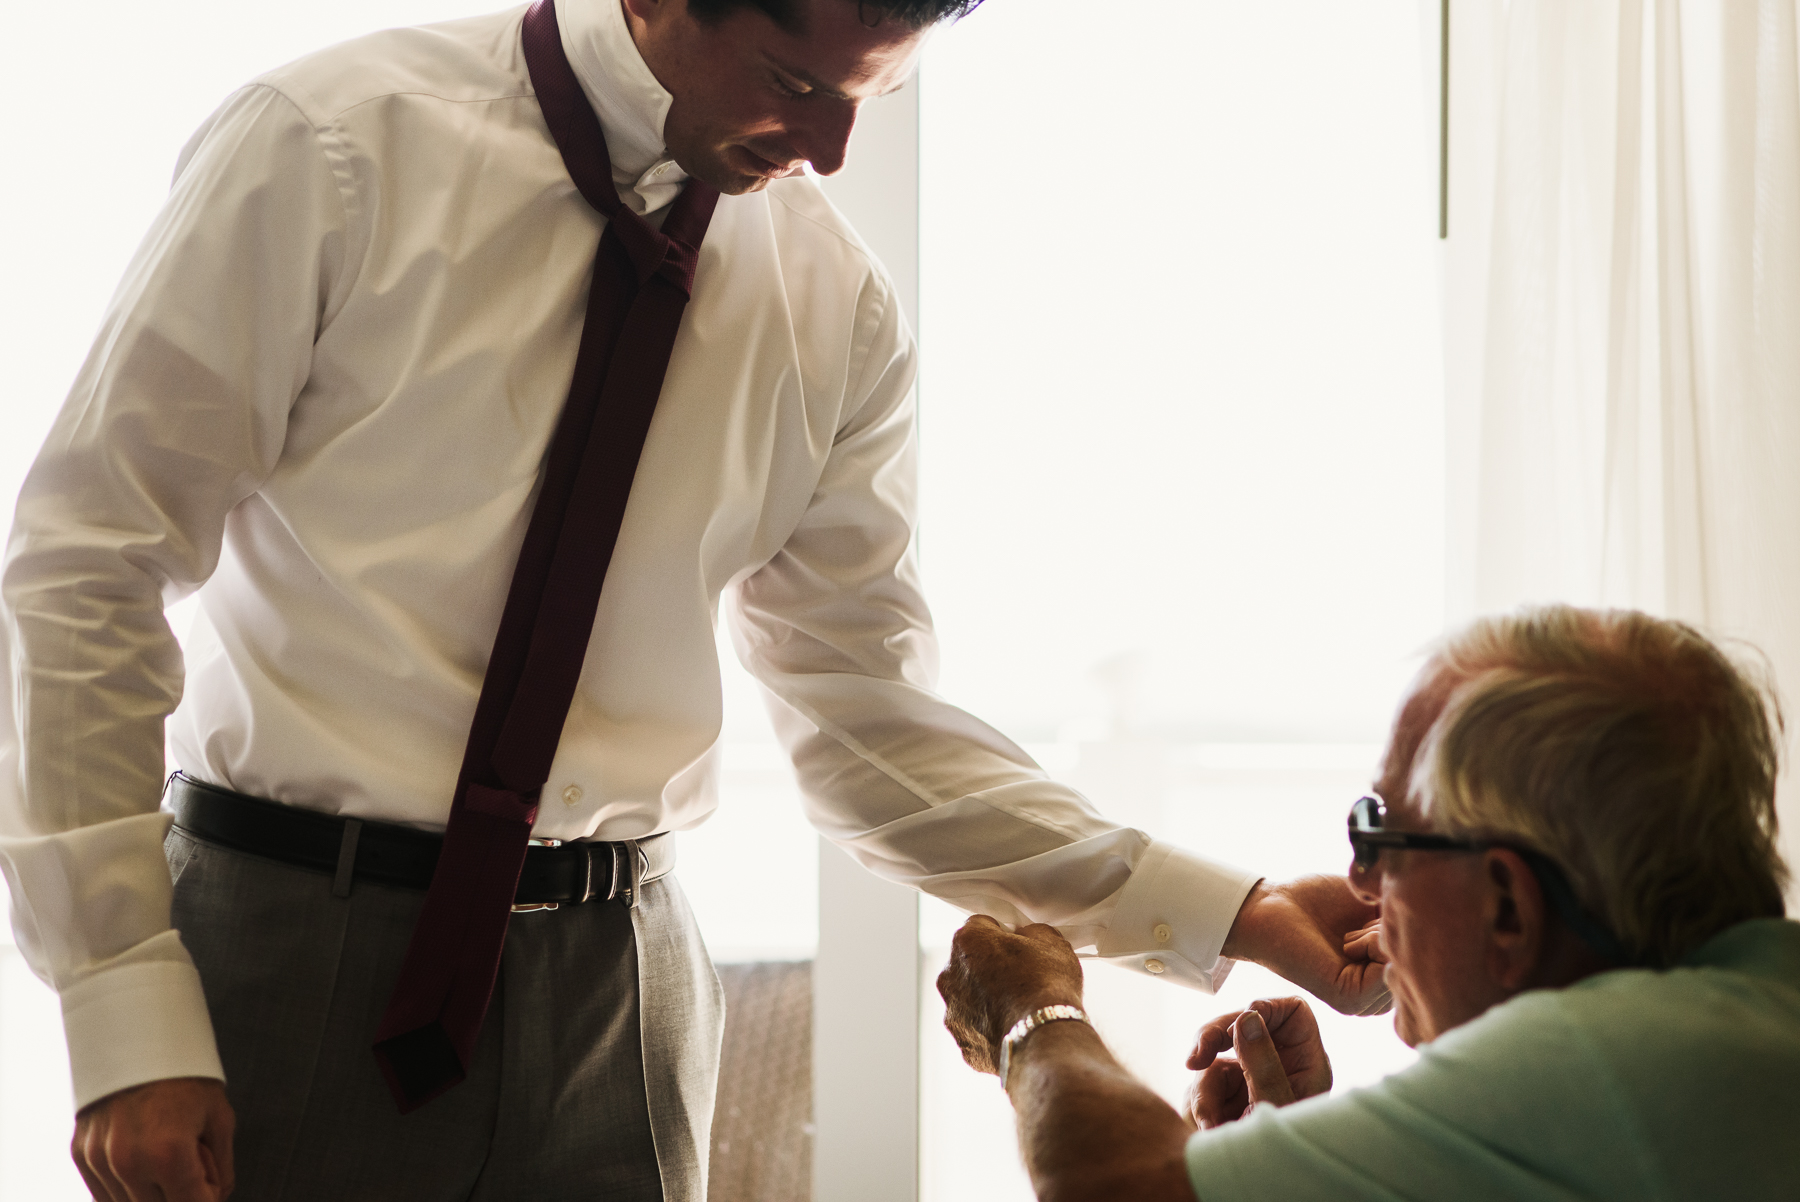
point(1162, 932)
point(1154, 967)
point(571, 795)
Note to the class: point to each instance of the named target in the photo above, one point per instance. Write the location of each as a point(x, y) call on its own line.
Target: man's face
point(755, 102)
point(1435, 908)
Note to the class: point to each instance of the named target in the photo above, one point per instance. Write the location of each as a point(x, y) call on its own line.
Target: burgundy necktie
point(642, 279)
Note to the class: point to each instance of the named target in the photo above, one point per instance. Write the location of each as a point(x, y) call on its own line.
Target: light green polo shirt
point(1630, 1085)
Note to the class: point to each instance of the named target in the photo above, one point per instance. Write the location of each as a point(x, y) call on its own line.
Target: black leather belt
point(354, 849)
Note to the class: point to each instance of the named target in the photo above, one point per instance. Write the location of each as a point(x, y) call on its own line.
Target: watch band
point(1030, 1023)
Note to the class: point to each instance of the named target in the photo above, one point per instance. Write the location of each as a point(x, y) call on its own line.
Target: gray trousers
point(593, 1079)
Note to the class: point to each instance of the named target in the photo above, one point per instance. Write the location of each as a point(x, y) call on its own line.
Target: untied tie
point(642, 281)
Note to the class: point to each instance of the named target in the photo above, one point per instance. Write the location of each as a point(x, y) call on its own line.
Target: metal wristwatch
point(1030, 1023)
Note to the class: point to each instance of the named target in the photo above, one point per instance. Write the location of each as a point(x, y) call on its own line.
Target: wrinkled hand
point(997, 977)
point(1280, 1059)
point(166, 1141)
point(1315, 932)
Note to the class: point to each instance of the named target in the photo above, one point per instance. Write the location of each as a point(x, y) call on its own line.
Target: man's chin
point(742, 185)
point(742, 170)
point(729, 180)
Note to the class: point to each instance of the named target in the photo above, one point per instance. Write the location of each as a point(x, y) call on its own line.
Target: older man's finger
point(975, 1050)
point(1218, 1095)
point(1289, 1019)
point(1212, 1038)
point(1263, 1071)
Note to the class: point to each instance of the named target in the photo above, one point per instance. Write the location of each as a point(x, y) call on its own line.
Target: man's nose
point(824, 140)
point(1365, 882)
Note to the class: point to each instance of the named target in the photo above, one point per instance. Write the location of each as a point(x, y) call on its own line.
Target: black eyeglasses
point(1368, 836)
point(1368, 818)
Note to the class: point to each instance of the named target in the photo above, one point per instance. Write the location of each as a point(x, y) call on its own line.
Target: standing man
point(331, 389)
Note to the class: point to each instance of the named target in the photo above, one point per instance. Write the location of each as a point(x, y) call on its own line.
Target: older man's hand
point(996, 977)
point(1311, 930)
point(1280, 1059)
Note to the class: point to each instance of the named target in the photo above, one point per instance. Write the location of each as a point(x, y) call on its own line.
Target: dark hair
point(786, 13)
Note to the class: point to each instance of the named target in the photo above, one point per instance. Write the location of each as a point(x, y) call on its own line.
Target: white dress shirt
point(321, 397)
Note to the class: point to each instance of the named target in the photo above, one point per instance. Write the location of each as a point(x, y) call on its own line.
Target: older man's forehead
point(1420, 709)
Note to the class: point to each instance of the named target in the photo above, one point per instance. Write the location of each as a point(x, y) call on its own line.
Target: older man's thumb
point(1263, 1073)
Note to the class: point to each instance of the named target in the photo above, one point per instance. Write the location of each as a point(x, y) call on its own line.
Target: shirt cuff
point(1173, 916)
point(135, 1024)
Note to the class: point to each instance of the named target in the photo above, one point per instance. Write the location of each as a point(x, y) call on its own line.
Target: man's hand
point(1364, 943)
point(1280, 1059)
point(1313, 931)
point(166, 1141)
point(995, 978)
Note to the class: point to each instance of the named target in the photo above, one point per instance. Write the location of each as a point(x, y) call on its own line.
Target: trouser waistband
point(351, 849)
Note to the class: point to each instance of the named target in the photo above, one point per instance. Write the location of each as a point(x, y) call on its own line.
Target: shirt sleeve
point(1515, 1106)
point(178, 414)
point(916, 790)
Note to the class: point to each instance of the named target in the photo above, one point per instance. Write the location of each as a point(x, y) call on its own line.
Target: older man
point(1581, 910)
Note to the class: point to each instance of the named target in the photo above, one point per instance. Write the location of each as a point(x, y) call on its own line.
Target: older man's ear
point(1514, 913)
point(1528, 946)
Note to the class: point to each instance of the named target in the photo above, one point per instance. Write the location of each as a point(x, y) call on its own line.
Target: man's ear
point(650, 23)
point(646, 10)
point(1515, 918)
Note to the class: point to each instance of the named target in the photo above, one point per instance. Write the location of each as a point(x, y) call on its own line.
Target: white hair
point(1628, 749)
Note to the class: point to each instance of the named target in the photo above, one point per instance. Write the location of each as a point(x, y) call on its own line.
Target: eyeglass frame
point(1367, 839)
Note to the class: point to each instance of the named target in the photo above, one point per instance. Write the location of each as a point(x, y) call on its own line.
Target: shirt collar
point(631, 104)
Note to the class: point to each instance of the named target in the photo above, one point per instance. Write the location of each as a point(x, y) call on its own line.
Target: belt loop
point(636, 859)
point(346, 865)
point(620, 884)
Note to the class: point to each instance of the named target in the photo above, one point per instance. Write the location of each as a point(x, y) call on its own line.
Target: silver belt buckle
point(536, 906)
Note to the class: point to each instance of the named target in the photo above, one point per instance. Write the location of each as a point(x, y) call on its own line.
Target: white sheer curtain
point(1622, 287)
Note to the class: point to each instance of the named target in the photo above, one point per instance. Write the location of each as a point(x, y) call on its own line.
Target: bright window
point(1181, 397)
